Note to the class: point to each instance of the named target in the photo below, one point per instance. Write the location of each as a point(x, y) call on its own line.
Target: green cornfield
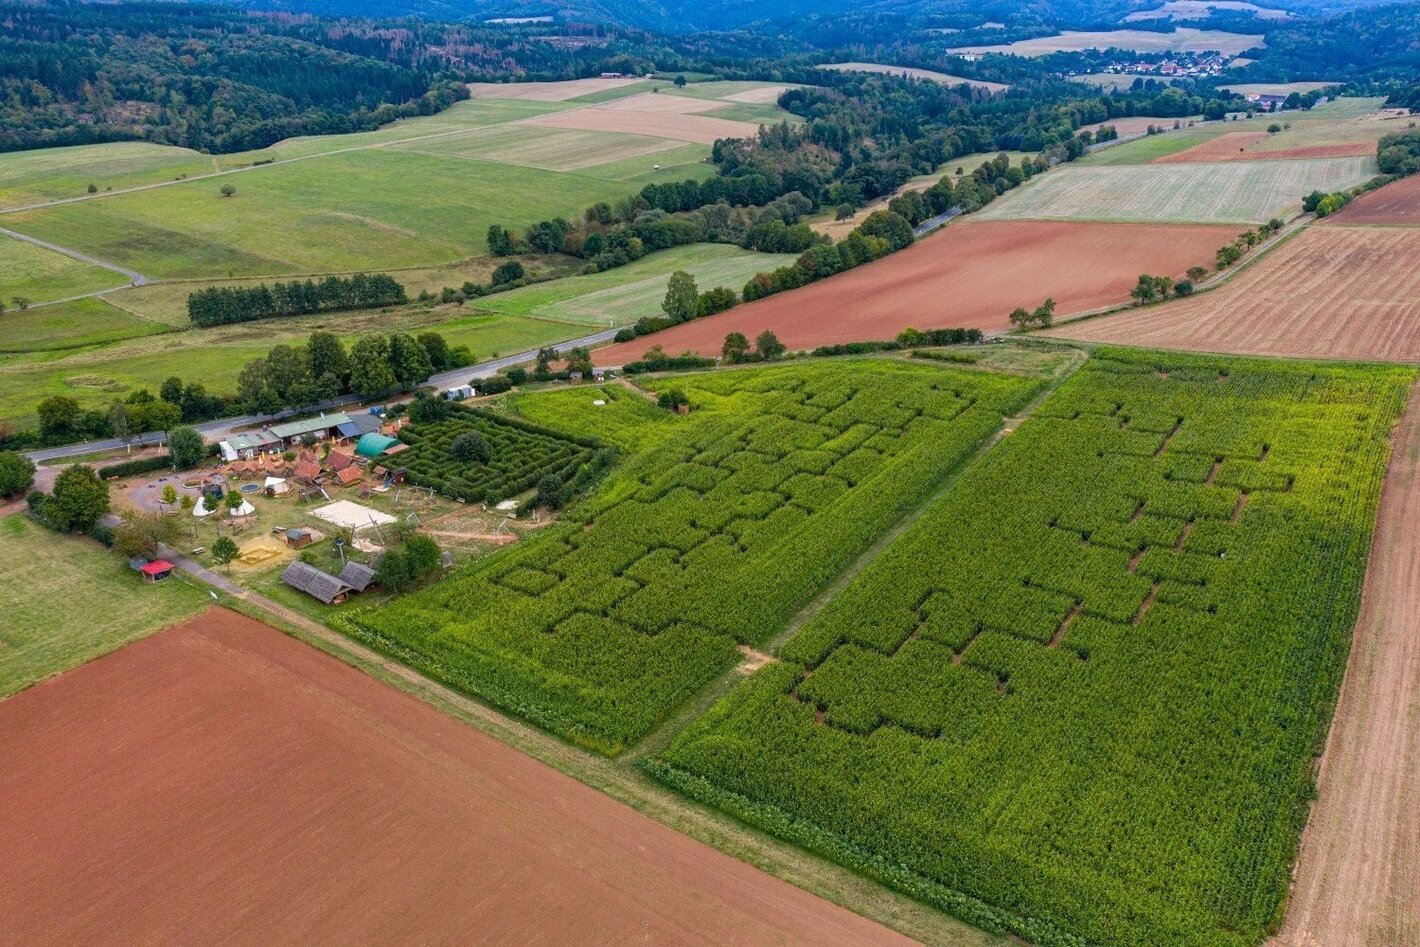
point(712, 536)
point(1079, 699)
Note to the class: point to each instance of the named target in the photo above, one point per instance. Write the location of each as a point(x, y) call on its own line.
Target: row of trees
point(296, 376)
point(222, 305)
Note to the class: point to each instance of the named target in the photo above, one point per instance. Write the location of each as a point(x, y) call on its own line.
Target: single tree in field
point(735, 349)
point(682, 297)
point(680, 82)
point(844, 212)
point(227, 190)
point(1196, 273)
point(768, 346)
point(1145, 290)
point(21, 302)
point(1044, 314)
point(224, 551)
point(1020, 317)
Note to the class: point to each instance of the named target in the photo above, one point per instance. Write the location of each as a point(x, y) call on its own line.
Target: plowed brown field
point(220, 782)
point(1331, 292)
point(1397, 203)
point(971, 275)
point(1358, 878)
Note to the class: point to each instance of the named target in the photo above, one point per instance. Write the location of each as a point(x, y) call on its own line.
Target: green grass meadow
point(39, 274)
point(67, 600)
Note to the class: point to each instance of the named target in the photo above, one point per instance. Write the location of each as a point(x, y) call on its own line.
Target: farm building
point(459, 392)
point(321, 428)
point(347, 476)
point(248, 445)
point(358, 425)
point(373, 445)
point(319, 585)
point(337, 460)
point(358, 576)
point(307, 471)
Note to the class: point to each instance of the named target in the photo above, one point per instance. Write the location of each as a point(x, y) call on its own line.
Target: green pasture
point(70, 325)
point(623, 295)
point(1240, 192)
point(625, 418)
point(67, 600)
point(39, 274)
point(48, 174)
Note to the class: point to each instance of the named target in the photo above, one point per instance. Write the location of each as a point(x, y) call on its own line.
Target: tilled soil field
point(220, 782)
point(1358, 878)
point(1330, 292)
point(970, 275)
point(1396, 204)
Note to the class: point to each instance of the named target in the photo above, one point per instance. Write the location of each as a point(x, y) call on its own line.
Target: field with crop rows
point(1239, 192)
point(601, 624)
point(625, 418)
point(520, 455)
point(1078, 698)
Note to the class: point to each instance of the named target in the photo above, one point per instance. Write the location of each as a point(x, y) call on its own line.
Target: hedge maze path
point(1077, 699)
point(707, 540)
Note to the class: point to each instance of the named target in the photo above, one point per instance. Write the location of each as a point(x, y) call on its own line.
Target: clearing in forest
point(1237, 192)
point(970, 275)
point(1329, 292)
point(1127, 622)
point(601, 624)
point(224, 778)
point(914, 73)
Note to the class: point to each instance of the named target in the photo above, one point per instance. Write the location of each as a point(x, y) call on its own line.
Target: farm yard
point(67, 601)
point(942, 77)
point(1182, 39)
point(1236, 192)
point(598, 627)
point(209, 777)
point(1329, 292)
point(971, 274)
point(1141, 645)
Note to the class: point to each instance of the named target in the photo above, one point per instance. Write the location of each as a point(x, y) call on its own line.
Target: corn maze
point(1078, 700)
point(709, 538)
point(521, 454)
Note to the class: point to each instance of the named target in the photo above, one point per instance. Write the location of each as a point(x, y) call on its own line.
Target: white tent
point(276, 485)
point(201, 509)
point(246, 509)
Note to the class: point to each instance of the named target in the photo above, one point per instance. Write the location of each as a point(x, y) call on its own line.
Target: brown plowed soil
point(1250, 146)
point(220, 782)
point(1358, 878)
point(971, 275)
point(1398, 203)
point(1330, 292)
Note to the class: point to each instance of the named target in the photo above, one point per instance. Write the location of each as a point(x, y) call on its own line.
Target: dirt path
point(1358, 878)
point(200, 785)
point(134, 277)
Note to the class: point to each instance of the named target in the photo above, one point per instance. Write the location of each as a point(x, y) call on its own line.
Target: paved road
point(134, 277)
point(223, 427)
point(932, 223)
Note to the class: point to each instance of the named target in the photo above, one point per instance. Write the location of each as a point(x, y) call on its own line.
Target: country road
point(134, 277)
point(222, 427)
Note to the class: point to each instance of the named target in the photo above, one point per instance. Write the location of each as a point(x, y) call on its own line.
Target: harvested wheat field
point(1396, 204)
point(1252, 146)
point(655, 121)
point(765, 95)
point(220, 782)
point(971, 275)
point(1330, 292)
point(544, 91)
point(1137, 124)
point(666, 104)
point(1358, 877)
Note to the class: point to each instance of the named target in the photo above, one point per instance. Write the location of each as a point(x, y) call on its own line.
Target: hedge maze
point(1078, 700)
point(521, 454)
point(709, 537)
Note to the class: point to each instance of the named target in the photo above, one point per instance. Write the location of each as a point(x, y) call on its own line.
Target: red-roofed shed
point(157, 570)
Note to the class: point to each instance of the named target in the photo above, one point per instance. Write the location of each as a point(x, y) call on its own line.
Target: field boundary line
point(693, 706)
point(624, 784)
point(134, 277)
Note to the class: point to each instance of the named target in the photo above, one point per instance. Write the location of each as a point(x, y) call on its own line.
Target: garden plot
point(1078, 698)
point(598, 626)
point(1240, 192)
